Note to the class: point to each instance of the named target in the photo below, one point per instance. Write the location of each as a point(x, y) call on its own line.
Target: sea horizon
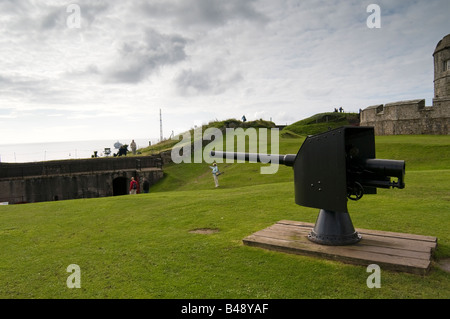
point(48, 151)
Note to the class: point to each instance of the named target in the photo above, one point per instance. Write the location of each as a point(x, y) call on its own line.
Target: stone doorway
point(120, 186)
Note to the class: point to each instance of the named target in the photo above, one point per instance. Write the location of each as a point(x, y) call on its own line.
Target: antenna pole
point(160, 126)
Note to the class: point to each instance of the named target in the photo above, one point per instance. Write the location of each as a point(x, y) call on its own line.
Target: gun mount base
point(334, 229)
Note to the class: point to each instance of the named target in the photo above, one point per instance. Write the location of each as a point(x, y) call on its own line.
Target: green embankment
point(319, 123)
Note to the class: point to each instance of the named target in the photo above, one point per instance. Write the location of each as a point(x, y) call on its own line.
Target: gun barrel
point(377, 173)
point(287, 160)
point(386, 168)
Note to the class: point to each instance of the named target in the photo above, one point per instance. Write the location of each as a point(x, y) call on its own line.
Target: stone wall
point(59, 167)
point(73, 179)
point(407, 117)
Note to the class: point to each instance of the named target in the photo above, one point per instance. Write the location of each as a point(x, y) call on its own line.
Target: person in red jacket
point(133, 186)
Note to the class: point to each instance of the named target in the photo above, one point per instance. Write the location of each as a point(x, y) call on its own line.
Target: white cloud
point(204, 13)
point(139, 59)
point(215, 77)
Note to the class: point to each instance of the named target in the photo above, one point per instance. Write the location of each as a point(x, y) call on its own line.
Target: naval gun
point(331, 168)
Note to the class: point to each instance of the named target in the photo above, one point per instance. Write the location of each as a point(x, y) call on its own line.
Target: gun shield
point(331, 168)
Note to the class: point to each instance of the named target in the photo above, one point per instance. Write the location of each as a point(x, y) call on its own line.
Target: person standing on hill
point(133, 186)
point(133, 147)
point(215, 172)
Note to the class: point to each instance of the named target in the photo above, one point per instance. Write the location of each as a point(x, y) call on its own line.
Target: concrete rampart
point(73, 179)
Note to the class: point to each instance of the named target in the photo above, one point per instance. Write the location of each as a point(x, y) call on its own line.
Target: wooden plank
point(364, 245)
point(384, 238)
point(410, 265)
point(336, 251)
point(367, 239)
point(393, 251)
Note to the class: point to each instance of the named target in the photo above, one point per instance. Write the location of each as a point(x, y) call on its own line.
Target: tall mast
point(160, 126)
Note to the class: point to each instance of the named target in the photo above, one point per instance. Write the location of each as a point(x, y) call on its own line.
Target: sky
point(90, 70)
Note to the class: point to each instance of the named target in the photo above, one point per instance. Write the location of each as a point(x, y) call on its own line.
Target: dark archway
point(120, 186)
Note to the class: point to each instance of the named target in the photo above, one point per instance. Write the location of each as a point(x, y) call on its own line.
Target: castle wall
point(11, 170)
point(73, 179)
point(407, 117)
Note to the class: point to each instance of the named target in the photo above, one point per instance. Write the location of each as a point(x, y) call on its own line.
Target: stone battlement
point(407, 117)
point(72, 179)
point(79, 166)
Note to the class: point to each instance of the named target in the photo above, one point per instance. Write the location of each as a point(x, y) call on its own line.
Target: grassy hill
point(320, 123)
point(221, 125)
point(142, 246)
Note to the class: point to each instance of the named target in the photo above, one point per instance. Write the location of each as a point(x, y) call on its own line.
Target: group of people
point(134, 186)
point(123, 149)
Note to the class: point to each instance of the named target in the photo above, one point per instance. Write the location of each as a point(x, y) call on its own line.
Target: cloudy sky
point(81, 70)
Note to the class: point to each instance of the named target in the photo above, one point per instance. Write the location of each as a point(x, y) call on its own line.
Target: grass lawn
point(141, 246)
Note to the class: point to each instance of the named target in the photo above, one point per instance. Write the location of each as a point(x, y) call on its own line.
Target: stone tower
point(442, 71)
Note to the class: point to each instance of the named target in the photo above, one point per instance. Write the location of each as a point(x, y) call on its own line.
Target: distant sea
point(37, 152)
